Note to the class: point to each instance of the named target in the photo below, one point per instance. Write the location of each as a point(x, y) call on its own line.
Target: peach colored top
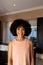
point(21, 52)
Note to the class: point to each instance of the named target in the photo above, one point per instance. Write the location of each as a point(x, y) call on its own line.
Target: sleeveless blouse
point(21, 52)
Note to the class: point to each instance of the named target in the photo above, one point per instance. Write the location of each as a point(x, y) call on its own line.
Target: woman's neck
point(20, 38)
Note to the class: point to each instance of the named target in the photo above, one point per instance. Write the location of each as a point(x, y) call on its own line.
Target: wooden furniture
point(3, 54)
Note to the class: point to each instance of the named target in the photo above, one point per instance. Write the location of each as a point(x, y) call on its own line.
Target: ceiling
point(6, 6)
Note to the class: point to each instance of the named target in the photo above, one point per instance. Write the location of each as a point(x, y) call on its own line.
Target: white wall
point(33, 22)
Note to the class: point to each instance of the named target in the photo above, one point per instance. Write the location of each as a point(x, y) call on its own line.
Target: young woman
point(20, 49)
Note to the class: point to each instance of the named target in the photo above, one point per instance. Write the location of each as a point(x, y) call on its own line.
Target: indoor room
point(29, 10)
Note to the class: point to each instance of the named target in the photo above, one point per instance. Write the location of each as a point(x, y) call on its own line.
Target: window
point(33, 35)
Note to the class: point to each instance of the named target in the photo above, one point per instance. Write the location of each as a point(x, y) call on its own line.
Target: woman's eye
point(18, 28)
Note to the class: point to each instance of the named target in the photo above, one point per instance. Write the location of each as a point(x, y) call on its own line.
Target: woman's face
point(20, 31)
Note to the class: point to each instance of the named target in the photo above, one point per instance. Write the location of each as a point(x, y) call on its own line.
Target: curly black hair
point(20, 22)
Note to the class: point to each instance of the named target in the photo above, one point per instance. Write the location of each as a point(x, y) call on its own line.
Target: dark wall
point(0, 32)
point(40, 34)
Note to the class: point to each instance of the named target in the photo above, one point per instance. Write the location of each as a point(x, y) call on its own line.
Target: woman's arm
point(10, 53)
point(32, 53)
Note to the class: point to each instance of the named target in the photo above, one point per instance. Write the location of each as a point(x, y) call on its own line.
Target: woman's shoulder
point(29, 41)
point(11, 42)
